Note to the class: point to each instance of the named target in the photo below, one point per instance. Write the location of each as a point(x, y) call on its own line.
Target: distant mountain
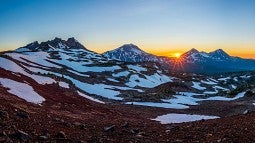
point(194, 56)
point(130, 53)
point(217, 61)
point(219, 55)
point(52, 45)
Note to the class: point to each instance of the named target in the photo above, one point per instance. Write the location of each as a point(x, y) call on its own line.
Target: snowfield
point(136, 68)
point(224, 79)
point(13, 67)
point(97, 89)
point(184, 99)
point(181, 118)
point(161, 105)
point(197, 86)
point(63, 84)
point(120, 74)
point(22, 90)
point(149, 81)
point(208, 82)
point(34, 57)
point(239, 95)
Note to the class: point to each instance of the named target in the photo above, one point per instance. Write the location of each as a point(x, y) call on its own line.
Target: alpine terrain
point(60, 91)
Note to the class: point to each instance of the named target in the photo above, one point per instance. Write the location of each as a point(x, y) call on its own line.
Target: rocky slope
point(68, 117)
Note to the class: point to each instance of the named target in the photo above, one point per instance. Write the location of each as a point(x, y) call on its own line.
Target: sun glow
point(177, 55)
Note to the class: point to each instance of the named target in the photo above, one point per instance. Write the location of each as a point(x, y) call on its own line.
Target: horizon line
point(166, 54)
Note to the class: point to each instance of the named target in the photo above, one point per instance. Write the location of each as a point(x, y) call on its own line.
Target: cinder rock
point(125, 125)
point(109, 128)
point(140, 135)
point(134, 131)
point(246, 112)
point(43, 138)
point(4, 114)
point(21, 135)
point(61, 135)
point(23, 115)
point(3, 134)
point(82, 126)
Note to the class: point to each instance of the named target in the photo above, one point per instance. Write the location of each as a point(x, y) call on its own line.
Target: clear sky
point(162, 27)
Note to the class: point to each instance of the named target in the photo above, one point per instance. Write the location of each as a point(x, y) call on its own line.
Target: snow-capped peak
point(219, 54)
point(194, 55)
point(55, 44)
point(193, 50)
point(130, 53)
point(219, 51)
point(130, 48)
point(190, 52)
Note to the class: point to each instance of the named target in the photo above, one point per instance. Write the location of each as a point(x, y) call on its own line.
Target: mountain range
point(193, 61)
point(217, 61)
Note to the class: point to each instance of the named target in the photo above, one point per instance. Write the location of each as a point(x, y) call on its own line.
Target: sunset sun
point(177, 55)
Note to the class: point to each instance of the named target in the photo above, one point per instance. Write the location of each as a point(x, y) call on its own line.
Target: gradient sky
point(158, 26)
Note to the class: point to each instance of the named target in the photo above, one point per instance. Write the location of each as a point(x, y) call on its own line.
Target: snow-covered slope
point(70, 63)
point(22, 90)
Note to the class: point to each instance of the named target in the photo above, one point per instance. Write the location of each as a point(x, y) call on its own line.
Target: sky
point(161, 27)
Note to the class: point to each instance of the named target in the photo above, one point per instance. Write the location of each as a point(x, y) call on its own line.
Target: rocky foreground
point(67, 117)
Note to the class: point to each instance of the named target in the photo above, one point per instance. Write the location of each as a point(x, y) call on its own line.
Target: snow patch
point(97, 89)
point(90, 98)
point(13, 67)
point(196, 85)
point(219, 87)
point(137, 68)
point(233, 86)
point(149, 81)
point(161, 105)
point(239, 95)
point(224, 79)
point(245, 76)
point(211, 92)
point(22, 90)
point(181, 118)
point(111, 79)
point(123, 73)
point(208, 82)
point(35, 57)
point(63, 84)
